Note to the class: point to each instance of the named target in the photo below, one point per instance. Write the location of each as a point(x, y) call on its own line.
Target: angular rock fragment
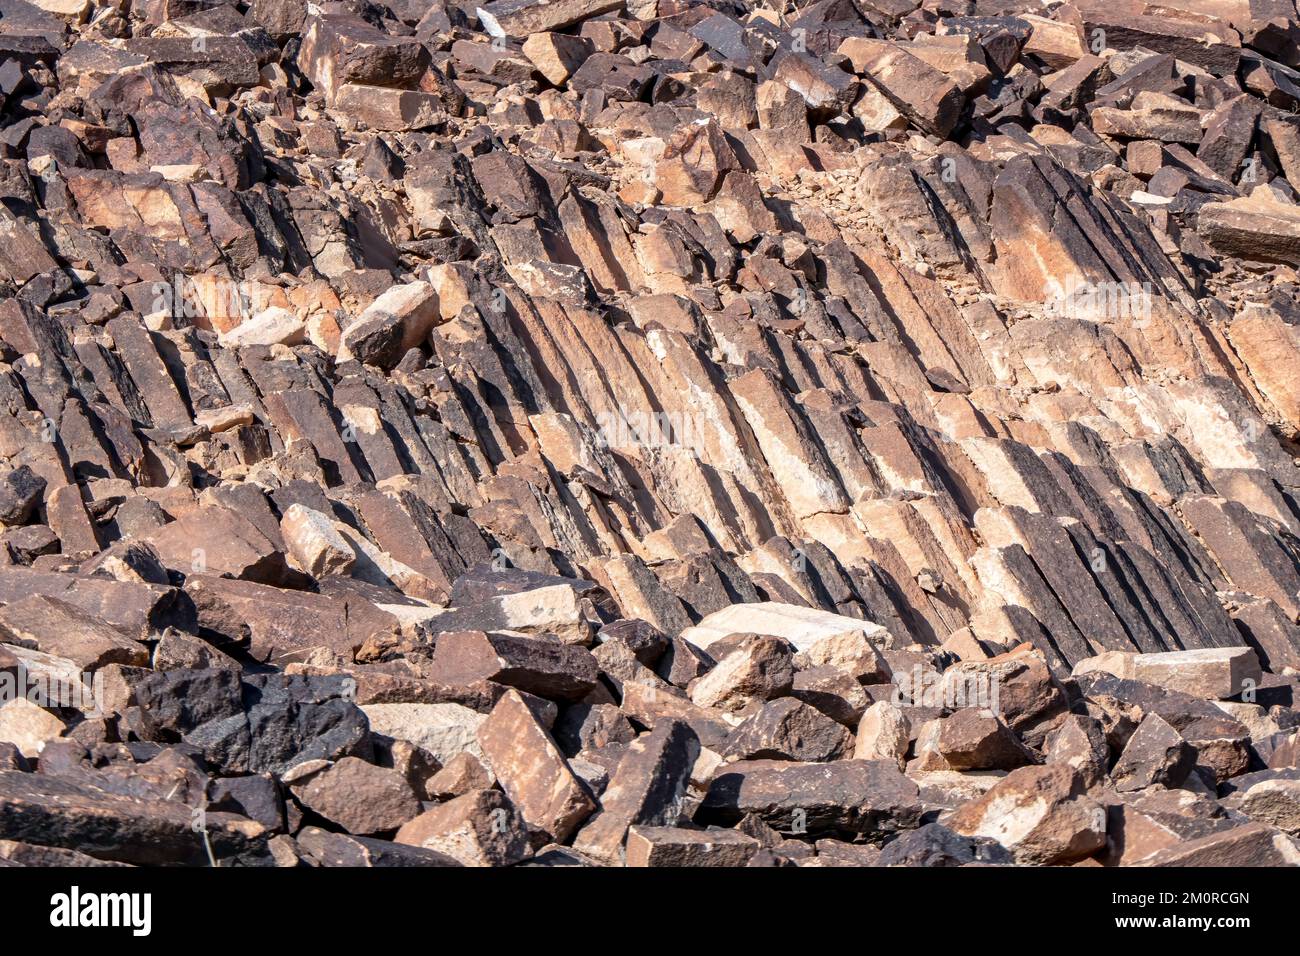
point(543, 667)
point(1040, 814)
point(361, 798)
point(1155, 754)
point(60, 812)
point(557, 427)
point(647, 788)
point(786, 729)
point(759, 668)
point(478, 829)
point(532, 770)
point(974, 739)
point(882, 734)
point(673, 846)
point(936, 845)
point(855, 797)
point(53, 626)
point(922, 93)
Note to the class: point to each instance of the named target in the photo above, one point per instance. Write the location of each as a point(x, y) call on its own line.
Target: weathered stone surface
point(1155, 754)
point(28, 726)
point(1253, 227)
point(20, 492)
point(884, 733)
point(361, 798)
point(859, 797)
point(337, 849)
point(532, 770)
point(1254, 844)
point(443, 730)
point(801, 626)
point(557, 56)
point(478, 829)
point(53, 626)
point(786, 729)
point(615, 406)
point(391, 326)
point(936, 845)
point(60, 812)
point(1040, 814)
point(758, 668)
point(673, 846)
point(922, 93)
point(647, 788)
point(543, 667)
point(315, 545)
point(973, 739)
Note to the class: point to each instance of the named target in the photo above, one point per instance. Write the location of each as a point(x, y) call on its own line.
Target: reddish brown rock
point(532, 770)
point(648, 787)
point(1040, 814)
point(360, 797)
point(673, 846)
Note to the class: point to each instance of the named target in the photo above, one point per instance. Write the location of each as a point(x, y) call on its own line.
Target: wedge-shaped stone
point(221, 541)
point(478, 829)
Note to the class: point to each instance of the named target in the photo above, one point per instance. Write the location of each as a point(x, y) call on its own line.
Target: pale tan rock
point(850, 652)
point(444, 730)
point(28, 726)
point(883, 734)
point(478, 829)
point(556, 55)
point(316, 547)
point(217, 420)
point(382, 108)
point(1275, 802)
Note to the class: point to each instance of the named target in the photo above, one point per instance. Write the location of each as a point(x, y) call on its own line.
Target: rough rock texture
point(655, 433)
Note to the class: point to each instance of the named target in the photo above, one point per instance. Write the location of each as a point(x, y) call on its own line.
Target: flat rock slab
point(52, 811)
point(860, 797)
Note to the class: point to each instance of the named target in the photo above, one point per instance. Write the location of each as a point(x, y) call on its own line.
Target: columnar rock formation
point(649, 432)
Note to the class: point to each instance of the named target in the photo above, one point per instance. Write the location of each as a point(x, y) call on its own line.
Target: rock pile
point(649, 432)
